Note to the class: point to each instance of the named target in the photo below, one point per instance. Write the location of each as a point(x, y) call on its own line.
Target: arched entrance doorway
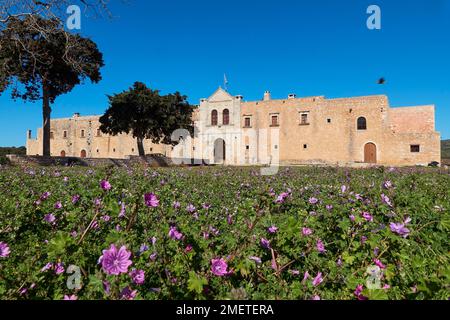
point(83, 154)
point(63, 154)
point(219, 151)
point(370, 153)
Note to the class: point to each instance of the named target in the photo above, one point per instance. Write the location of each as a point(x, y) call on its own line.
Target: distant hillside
point(12, 150)
point(445, 149)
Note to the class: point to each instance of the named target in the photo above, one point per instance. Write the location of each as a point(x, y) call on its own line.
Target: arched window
point(83, 154)
point(214, 118)
point(362, 123)
point(226, 117)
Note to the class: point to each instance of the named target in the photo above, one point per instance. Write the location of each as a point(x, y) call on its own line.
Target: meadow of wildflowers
point(224, 233)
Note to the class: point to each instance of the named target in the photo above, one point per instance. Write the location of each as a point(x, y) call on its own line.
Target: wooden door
point(370, 153)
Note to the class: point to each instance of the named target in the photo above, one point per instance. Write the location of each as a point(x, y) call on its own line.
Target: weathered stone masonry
point(310, 130)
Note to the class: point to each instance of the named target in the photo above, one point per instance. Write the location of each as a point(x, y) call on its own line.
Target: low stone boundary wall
point(149, 160)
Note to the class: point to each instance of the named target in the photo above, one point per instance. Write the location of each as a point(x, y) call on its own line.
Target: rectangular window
point(415, 148)
point(274, 121)
point(304, 119)
point(329, 120)
point(247, 123)
point(65, 134)
point(52, 136)
point(82, 133)
point(305, 146)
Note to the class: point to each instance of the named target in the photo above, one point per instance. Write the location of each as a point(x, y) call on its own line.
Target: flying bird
point(381, 81)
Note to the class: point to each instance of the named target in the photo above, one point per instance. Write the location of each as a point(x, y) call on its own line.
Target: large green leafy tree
point(39, 60)
point(146, 114)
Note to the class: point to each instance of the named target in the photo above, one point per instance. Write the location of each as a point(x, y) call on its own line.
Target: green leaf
point(57, 246)
point(348, 258)
point(375, 294)
point(196, 283)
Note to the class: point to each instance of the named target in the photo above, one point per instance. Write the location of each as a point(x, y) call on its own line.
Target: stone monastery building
point(310, 130)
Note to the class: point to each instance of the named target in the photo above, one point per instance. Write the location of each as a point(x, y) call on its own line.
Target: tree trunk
point(140, 144)
point(46, 111)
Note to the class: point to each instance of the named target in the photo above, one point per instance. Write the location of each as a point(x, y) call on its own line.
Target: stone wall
point(329, 136)
point(150, 160)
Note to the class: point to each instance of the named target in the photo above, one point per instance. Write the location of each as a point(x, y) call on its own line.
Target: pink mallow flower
point(320, 246)
point(272, 229)
point(128, 294)
point(307, 232)
point(138, 276)
point(400, 228)
point(50, 218)
point(151, 200)
point(358, 292)
point(105, 185)
point(4, 250)
point(282, 197)
point(72, 297)
point(59, 268)
point(115, 261)
point(265, 243)
point(385, 199)
point(367, 216)
point(219, 267)
point(175, 234)
point(379, 263)
point(317, 280)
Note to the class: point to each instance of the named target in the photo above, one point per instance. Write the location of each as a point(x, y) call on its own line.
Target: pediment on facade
point(220, 95)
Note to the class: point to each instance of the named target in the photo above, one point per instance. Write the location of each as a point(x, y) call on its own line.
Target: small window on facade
point(415, 148)
point(247, 122)
point(305, 146)
point(132, 150)
point(304, 118)
point(329, 120)
point(82, 133)
point(214, 118)
point(99, 133)
point(98, 151)
point(114, 150)
point(362, 123)
point(65, 134)
point(247, 147)
point(151, 149)
point(274, 121)
point(226, 117)
point(276, 147)
point(52, 136)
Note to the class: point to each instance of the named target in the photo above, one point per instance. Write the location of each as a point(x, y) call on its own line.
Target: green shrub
point(354, 219)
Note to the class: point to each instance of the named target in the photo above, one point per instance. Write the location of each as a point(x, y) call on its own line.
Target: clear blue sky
point(314, 47)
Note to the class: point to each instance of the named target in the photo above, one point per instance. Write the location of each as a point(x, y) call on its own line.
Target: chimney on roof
point(267, 96)
point(292, 96)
